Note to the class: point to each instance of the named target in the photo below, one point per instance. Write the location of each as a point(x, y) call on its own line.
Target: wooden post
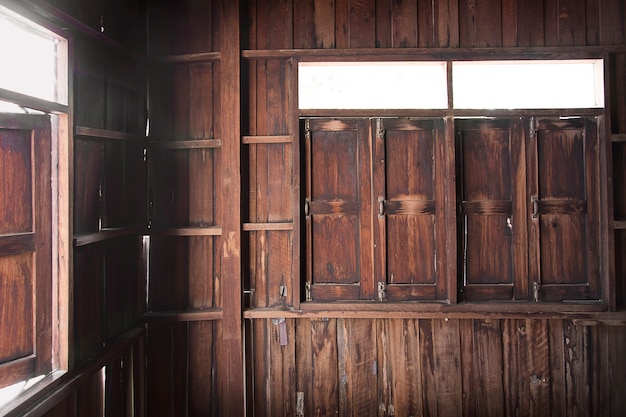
point(230, 378)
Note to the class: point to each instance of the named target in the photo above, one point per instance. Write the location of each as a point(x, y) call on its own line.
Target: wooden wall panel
point(88, 301)
point(385, 367)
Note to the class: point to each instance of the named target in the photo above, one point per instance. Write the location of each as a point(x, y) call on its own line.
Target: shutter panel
point(407, 170)
point(25, 247)
point(565, 209)
point(338, 205)
point(492, 227)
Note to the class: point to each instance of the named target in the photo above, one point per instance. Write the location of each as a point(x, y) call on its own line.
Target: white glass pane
point(528, 84)
point(372, 85)
point(28, 59)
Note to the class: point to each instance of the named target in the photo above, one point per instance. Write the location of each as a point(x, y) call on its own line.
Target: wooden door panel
point(338, 209)
point(410, 247)
point(492, 192)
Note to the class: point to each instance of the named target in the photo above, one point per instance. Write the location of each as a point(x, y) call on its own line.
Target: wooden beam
point(229, 368)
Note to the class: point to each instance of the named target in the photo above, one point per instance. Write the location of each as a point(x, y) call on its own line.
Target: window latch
point(381, 206)
point(307, 291)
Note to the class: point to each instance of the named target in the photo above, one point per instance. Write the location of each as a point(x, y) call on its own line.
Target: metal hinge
point(307, 129)
point(381, 291)
point(532, 127)
point(536, 292)
point(380, 130)
point(307, 291)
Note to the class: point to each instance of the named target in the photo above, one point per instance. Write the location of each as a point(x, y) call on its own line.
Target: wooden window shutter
point(338, 208)
point(409, 182)
point(25, 247)
point(492, 221)
point(564, 196)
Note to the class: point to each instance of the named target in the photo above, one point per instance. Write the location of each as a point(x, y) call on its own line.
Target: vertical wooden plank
point(612, 16)
point(314, 24)
point(356, 348)
point(509, 23)
point(565, 23)
point(304, 366)
point(400, 383)
point(576, 352)
point(201, 388)
point(324, 398)
point(480, 23)
point(447, 24)
point(404, 19)
point(616, 369)
point(355, 24)
point(526, 378)
point(274, 24)
point(483, 368)
point(159, 375)
point(426, 24)
point(384, 27)
point(229, 372)
point(441, 366)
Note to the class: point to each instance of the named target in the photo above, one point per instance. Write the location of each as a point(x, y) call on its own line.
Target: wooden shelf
point(186, 58)
point(91, 132)
point(108, 234)
point(595, 311)
point(186, 231)
point(182, 315)
point(187, 144)
point(251, 227)
point(254, 140)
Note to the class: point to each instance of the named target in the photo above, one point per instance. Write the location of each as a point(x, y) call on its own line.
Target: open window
point(33, 197)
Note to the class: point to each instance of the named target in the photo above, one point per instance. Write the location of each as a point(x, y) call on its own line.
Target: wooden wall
point(223, 199)
point(470, 366)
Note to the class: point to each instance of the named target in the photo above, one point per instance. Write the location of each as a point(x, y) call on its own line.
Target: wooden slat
point(248, 227)
point(32, 102)
point(186, 231)
point(187, 144)
point(619, 225)
point(186, 58)
point(252, 140)
point(16, 244)
point(106, 134)
point(182, 316)
point(107, 234)
point(618, 137)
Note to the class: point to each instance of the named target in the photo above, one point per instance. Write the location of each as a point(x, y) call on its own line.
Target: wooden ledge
point(583, 313)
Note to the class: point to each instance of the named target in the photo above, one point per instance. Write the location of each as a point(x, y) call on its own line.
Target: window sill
point(582, 311)
point(27, 393)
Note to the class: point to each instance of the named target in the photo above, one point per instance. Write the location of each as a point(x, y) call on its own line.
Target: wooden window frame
point(59, 208)
point(454, 304)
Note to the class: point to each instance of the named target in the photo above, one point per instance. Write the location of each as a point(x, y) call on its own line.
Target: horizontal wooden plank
point(487, 207)
point(334, 207)
point(188, 144)
point(442, 310)
point(32, 102)
point(182, 316)
point(409, 207)
point(17, 370)
point(107, 134)
point(249, 227)
point(619, 225)
point(186, 58)
point(17, 243)
point(378, 54)
point(562, 206)
point(187, 231)
point(41, 401)
point(251, 140)
point(618, 137)
point(108, 234)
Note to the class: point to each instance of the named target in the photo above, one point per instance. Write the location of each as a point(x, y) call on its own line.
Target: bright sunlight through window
point(552, 84)
point(29, 63)
point(372, 85)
